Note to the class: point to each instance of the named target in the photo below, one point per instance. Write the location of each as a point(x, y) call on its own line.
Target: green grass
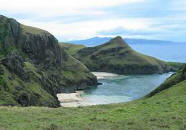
point(173, 80)
point(36, 81)
point(12, 88)
point(165, 110)
point(117, 57)
point(71, 48)
point(32, 30)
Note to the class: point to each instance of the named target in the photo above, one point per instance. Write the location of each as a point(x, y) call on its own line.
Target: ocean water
point(123, 88)
point(175, 52)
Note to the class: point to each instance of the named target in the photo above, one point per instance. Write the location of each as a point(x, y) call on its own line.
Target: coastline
point(75, 99)
point(70, 99)
point(104, 75)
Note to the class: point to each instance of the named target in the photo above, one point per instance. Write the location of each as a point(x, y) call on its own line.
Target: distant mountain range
point(100, 40)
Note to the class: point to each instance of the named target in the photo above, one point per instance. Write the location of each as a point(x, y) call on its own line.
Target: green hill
point(34, 68)
point(117, 57)
point(177, 79)
point(71, 48)
point(164, 110)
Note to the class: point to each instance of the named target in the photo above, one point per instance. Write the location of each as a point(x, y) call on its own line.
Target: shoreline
point(104, 75)
point(70, 99)
point(75, 99)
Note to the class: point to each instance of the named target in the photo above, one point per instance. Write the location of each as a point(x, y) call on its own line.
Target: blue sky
point(80, 19)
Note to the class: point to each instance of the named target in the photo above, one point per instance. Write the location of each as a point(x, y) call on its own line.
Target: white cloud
point(86, 29)
point(50, 9)
point(59, 7)
point(76, 19)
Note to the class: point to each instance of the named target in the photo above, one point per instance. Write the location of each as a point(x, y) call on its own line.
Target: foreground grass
point(166, 110)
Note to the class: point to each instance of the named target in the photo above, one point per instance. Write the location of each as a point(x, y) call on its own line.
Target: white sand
point(104, 75)
point(75, 99)
point(70, 99)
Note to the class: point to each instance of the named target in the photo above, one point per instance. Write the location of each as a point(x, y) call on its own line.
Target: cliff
point(34, 68)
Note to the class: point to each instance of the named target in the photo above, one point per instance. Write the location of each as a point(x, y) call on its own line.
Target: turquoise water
point(123, 88)
point(127, 88)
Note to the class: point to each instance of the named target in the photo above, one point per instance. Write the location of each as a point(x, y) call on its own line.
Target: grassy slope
point(165, 110)
point(116, 56)
point(71, 48)
point(173, 80)
point(41, 88)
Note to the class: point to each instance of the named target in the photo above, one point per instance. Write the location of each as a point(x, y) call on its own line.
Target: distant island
point(95, 41)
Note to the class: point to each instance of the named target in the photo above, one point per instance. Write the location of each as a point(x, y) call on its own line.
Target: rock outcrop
point(34, 68)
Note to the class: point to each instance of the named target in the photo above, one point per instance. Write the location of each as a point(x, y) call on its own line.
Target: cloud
point(127, 32)
point(45, 8)
point(77, 19)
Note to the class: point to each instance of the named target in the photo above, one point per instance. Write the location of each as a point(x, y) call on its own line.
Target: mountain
point(92, 41)
point(34, 68)
point(118, 57)
point(100, 40)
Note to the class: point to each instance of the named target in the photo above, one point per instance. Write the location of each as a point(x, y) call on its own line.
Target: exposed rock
point(39, 66)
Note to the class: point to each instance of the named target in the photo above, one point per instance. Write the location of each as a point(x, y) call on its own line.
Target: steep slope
point(71, 48)
point(177, 79)
point(33, 67)
point(117, 57)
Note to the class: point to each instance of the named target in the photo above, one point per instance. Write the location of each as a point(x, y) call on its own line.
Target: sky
point(81, 19)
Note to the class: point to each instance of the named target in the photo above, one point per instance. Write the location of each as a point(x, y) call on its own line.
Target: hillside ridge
point(34, 68)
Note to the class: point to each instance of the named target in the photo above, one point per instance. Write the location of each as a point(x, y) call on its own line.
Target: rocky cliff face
point(33, 67)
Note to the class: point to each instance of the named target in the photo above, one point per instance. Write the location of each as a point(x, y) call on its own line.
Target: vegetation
point(175, 66)
point(173, 80)
point(164, 110)
point(34, 68)
point(117, 57)
point(32, 71)
point(71, 48)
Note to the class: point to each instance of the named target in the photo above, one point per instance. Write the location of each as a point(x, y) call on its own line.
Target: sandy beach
point(104, 75)
point(70, 99)
point(75, 99)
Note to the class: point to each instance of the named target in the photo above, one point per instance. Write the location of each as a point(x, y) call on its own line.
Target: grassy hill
point(34, 68)
point(117, 57)
point(71, 48)
point(164, 110)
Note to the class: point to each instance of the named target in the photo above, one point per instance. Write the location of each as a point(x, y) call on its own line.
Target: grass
point(13, 88)
point(36, 81)
point(165, 110)
point(157, 112)
point(117, 57)
point(32, 30)
point(71, 48)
